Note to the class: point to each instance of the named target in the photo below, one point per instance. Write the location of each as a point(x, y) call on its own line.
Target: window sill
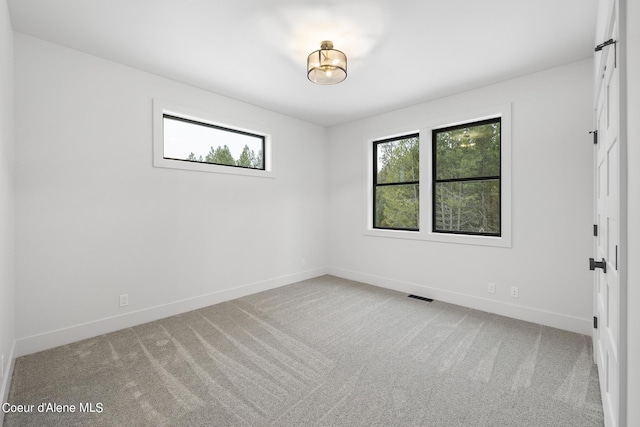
point(161, 162)
point(503, 241)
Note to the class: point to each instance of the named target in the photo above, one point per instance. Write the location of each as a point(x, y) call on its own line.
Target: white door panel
point(606, 337)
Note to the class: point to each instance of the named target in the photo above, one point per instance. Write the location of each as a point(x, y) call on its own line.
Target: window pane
point(398, 160)
point(397, 207)
point(469, 207)
point(199, 142)
point(468, 152)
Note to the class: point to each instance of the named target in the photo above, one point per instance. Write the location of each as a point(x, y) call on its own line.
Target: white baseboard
point(55, 338)
point(6, 380)
point(547, 318)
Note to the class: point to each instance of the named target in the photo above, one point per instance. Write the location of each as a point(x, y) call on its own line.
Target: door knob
point(593, 264)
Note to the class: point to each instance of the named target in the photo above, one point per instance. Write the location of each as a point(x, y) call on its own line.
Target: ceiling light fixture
point(327, 66)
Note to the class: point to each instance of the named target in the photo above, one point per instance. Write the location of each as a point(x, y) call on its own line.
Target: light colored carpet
point(323, 352)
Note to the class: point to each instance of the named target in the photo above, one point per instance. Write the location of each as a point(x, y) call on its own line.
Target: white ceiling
point(400, 52)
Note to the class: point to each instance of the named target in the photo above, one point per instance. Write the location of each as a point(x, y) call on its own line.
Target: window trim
point(387, 184)
point(435, 181)
point(163, 108)
point(424, 129)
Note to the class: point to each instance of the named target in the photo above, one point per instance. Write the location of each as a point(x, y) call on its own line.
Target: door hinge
point(595, 322)
point(615, 50)
point(605, 44)
point(593, 264)
point(595, 230)
point(595, 136)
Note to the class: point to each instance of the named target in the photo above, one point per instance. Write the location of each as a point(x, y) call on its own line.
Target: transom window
point(192, 141)
point(396, 186)
point(466, 178)
point(205, 141)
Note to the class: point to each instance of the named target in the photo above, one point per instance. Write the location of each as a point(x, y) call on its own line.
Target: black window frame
point(435, 181)
point(387, 184)
point(204, 124)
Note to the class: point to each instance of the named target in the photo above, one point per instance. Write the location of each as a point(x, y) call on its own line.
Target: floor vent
point(421, 298)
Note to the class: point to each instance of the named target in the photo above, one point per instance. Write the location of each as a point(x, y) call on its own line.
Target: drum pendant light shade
point(327, 66)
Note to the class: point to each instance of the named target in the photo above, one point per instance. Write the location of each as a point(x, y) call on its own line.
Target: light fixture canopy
point(327, 66)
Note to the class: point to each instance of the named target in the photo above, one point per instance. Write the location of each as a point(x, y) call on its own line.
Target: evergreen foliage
point(397, 205)
point(222, 156)
point(467, 188)
point(467, 180)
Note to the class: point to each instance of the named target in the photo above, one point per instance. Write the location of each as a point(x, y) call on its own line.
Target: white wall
point(95, 219)
point(551, 212)
point(7, 314)
point(632, 71)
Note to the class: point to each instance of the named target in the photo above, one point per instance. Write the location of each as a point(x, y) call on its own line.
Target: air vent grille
point(421, 298)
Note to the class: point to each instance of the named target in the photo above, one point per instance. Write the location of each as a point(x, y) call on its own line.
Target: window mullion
point(480, 178)
point(390, 184)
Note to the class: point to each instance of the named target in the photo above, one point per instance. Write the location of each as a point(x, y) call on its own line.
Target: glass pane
point(468, 152)
point(194, 142)
point(397, 206)
point(398, 160)
point(469, 207)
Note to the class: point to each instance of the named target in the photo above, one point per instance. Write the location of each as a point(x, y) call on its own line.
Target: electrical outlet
point(124, 300)
point(491, 288)
point(514, 292)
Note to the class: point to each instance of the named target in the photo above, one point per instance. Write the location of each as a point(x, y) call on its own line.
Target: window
point(193, 141)
point(461, 164)
point(209, 142)
point(396, 187)
point(466, 178)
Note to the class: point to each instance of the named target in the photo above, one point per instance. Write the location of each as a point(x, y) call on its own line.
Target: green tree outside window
point(466, 178)
point(396, 183)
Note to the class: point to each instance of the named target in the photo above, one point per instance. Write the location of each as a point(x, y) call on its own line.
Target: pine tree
point(245, 158)
point(223, 156)
point(211, 156)
point(257, 160)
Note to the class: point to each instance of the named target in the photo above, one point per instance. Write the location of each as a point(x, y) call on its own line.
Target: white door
point(606, 337)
